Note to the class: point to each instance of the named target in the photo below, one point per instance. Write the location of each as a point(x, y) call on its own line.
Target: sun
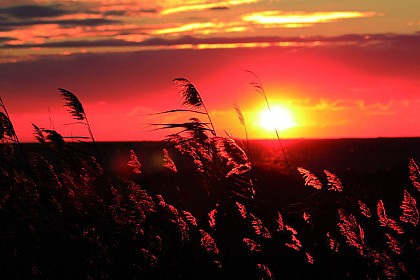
point(277, 118)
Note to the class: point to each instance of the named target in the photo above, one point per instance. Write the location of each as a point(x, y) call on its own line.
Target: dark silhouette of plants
point(59, 219)
point(7, 132)
point(75, 108)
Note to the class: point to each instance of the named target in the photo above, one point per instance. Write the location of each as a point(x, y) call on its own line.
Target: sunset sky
point(340, 68)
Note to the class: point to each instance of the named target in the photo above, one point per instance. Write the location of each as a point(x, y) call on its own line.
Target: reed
point(205, 225)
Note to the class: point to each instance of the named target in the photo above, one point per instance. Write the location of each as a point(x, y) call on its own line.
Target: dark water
point(341, 156)
point(375, 166)
point(372, 168)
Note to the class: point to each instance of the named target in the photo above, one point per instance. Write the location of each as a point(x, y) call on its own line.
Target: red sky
point(342, 69)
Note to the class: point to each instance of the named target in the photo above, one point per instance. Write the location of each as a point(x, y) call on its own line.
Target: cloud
point(384, 54)
point(357, 106)
point(200, 28)
point(219, 8)
point(192, 6)
point(300, 19)
point(32, 11)
point(115, 13)
point(120, 39)
point(5, 39)
point(80, 43)
point(74, 22)
point(148, 11)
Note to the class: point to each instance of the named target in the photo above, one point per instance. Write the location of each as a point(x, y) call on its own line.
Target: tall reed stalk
point(11, 130)
point(241, 119)
point(257, 85)
point(75, 108)
point(192, 98)
point(8, 129)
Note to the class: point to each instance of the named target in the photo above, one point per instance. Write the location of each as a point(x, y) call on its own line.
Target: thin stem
point(208, 115)
point(93, 141)
point(258, 86)
point(278, 136)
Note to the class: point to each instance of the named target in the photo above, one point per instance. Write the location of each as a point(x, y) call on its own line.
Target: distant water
point(371, 164)
point(377, 167)
point(339, 155)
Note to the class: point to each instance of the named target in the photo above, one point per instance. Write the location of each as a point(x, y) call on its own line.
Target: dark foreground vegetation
point(199, 211)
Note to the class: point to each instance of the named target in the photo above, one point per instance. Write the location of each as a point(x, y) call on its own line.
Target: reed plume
point(309, 258)
point(295, 243)
point(208, 243)
point(192, 98)
point(38, 134)
point(414, 174)
point(241, 119)
point(190, 218)
point(310, 178)
point(252, 246)
point(134, 163)
point(239, 115)
point(168, 162)
point(334, 182)
point(264, 272)
point(410, 212)
point(7, 131)
point(352, 231)
point(364, 209)
point(242, 210)
point(212, 217)
point(333, 244)
point(256, 223)
point(393, 244)
point(75, 107)
point(235, 157)
point(386, 221)
point(189, 93)
point(307, 217)
point(279, 221)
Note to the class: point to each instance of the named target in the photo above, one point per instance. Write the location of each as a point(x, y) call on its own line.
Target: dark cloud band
point(32, 11)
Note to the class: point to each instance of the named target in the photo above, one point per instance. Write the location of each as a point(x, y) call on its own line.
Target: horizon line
point(253, 139)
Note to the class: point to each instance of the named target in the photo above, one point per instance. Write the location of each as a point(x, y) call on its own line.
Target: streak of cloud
point(301, 19)
point(171, 7)
point(31, 11)
point(201, 28)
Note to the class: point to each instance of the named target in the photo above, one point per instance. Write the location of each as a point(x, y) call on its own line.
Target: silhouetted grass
point(198, 215)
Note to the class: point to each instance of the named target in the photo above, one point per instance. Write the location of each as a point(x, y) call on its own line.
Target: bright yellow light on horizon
point(277, 117)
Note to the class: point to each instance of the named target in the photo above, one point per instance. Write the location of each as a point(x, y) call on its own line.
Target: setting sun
point(277, 117)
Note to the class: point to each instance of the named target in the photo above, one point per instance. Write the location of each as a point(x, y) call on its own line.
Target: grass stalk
point(257, 85)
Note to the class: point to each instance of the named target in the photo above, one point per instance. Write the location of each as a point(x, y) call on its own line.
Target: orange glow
point(41, 33)
point(190, 6)
point(299, 19)
point(233, 45)
point(33, 34)
point(185, 28)
point(277, 118)
point(78, 16)
point(131, 37)
point(202, 28)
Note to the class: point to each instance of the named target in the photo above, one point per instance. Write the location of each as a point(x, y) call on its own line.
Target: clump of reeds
point(138, 229)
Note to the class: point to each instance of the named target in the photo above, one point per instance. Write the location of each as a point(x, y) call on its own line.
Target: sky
point(340, 68)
